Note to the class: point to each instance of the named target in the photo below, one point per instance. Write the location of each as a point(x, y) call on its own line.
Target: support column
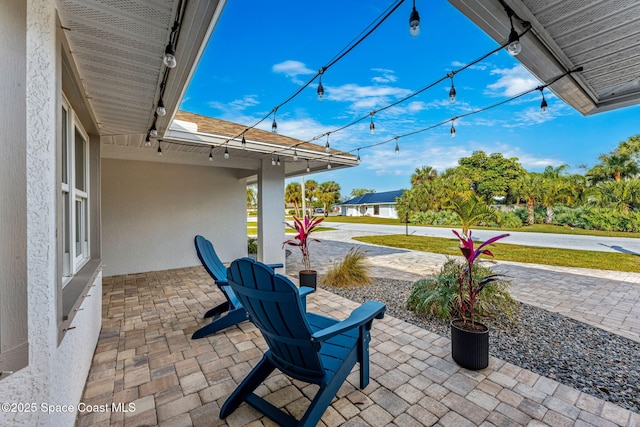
point(271, 213)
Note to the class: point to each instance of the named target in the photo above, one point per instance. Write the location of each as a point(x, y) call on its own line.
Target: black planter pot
point(308, 278)
point(470, 349)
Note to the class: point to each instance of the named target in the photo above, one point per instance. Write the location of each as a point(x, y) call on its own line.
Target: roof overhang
point(602, 37)
point(114, 51)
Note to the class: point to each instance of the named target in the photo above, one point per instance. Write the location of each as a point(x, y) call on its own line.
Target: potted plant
point(304, 227)
point(469, 338)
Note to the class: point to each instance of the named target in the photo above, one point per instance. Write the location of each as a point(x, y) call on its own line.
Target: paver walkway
point(145, 356)
point(606, 299)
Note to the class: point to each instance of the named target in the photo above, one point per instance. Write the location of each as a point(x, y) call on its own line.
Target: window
point(74, 194)
point(376, 209)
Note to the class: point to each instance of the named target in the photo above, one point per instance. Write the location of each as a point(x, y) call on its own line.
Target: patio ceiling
point(115, 49)
point(602, 36)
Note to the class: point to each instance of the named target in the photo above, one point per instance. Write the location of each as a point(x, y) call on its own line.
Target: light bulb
point(397, 148)
point(273, 161)
point(147, 142)
point(329, 165)
point(320, 91)
point(453, 131)
point(543, 105)
point(308, 168)
point(278, 161)
point(327, 148)
point(226, 152)
point(153, 131)
point(159, 151)
point(372, 127)
point(514, 47)
point(161, 111)
point(295, 154)
point(358, 158)
point(211, 154)
point(170, 56)
point(244, 143)
point(414, 22)
point(452, 94)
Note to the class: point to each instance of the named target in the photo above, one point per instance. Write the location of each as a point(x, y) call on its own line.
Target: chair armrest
point(305, 290)
point(358, 317)
point(222, 282)
point(274, 266)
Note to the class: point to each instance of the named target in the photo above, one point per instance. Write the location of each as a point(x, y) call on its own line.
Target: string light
point(244, 142)
point(278, 161)
point(308, 168)
point(295, 154)
point(147, 141)
point(170, 56)
point(513, 47)
point(414, 21)
point(153, 131)
point(358, 158)
point(453, 129)
point(226, 152)
point(274, 125)
point(543, 105)
point(320, 90)
point(452, 91)
point(211, 154)
point(329, 163)
point(327, 148)
point(161, 111)
point(397, 147)
point(273, 160)
point(159, 150)
point(372, 126)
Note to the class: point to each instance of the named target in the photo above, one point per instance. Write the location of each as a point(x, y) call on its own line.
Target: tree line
point(607, 196)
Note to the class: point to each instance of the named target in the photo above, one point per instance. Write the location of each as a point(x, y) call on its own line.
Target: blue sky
point(261, 52)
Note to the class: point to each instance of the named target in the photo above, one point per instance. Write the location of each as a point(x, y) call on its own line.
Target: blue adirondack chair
point(305, 346)
point(216, 269)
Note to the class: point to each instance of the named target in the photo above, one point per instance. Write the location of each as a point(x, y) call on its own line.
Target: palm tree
point(622, 196)
point(310, 189)
point(615, 165)
point(252, 196)
point(293, 194)
point(528, 187)
point(471, 210)
point(423, 175)
point(328, 193)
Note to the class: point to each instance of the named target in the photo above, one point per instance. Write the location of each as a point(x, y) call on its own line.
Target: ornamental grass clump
point(464, 290)
point(351, 271)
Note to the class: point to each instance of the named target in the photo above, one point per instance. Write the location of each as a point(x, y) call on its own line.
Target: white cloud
point(512, 81)
point(292, 69)
point(479, 66)
point(246, 101)
point(387, 76)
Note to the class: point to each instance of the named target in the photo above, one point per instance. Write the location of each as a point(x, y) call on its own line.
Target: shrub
point(351, 271)
point(252, 245)
point(504, 220)
point(435, 218)
point(437, 295)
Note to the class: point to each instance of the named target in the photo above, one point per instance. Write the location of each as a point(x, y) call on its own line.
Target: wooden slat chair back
point(306, 346)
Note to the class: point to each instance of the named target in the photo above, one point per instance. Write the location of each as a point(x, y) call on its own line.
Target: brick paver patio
point(145, 356)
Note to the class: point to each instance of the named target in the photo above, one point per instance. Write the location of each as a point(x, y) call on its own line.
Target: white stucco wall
point(152, 211)
point(57, 371)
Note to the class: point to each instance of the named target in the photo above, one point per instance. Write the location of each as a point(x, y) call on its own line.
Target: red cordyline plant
point(304, 227)
point(466, 284)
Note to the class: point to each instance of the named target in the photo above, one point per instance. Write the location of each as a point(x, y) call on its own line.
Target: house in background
point(84, 190)
point(381, 205)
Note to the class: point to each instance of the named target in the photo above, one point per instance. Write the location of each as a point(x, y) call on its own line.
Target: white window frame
point(75, 221)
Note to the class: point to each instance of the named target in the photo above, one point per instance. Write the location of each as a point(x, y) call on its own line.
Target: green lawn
point(537, 228)
point(517, 253)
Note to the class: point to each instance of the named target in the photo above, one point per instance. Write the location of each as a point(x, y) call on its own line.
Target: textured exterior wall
point(152, 211)
point(56, 373)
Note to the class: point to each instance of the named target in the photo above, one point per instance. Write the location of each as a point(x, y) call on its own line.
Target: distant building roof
point(375, 198)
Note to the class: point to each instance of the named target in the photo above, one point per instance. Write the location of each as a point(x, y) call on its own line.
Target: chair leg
point(235, 316)
point(363, 355)
point(257, 375)
point(217, 310)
